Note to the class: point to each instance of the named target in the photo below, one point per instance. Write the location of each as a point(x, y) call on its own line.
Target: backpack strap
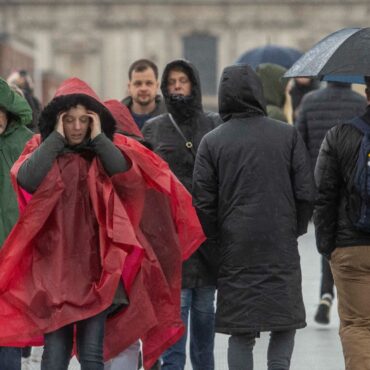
point(360, 124)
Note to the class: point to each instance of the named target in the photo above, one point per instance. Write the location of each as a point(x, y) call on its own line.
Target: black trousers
point(327, 281)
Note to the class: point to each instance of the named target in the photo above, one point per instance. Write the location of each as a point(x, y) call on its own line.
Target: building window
point(201, 50)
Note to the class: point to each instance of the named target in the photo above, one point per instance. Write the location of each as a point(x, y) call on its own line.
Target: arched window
point(201, 50)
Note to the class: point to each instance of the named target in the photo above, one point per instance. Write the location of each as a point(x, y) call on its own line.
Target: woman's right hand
point(59, 125)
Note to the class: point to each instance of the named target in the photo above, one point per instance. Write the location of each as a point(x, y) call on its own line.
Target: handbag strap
point(188, 143)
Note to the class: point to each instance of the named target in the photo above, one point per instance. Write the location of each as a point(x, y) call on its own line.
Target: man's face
point(3, 121)
point(178, 83)
point(76, 124)
point(143, 87)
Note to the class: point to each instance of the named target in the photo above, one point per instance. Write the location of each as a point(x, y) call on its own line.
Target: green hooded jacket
point(12, 142)
point(273, 89)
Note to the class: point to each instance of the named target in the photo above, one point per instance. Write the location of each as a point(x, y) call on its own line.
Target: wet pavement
point(317, 347)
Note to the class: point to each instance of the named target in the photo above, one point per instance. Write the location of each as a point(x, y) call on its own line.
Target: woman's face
point(3, 121)
point(76, 123)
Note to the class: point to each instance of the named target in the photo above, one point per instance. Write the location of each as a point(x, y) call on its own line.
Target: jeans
point(90, 339)
point(199, 302)
point(279, 353)
point(10, 358)
point(327, 281)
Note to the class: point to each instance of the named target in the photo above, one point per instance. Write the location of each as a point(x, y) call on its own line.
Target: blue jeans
point(90, 339)
point(279, 353)
point(200, 303)
point(10, 358)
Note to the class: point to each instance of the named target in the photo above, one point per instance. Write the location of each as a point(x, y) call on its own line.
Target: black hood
point(179, 106)
point(240, 93)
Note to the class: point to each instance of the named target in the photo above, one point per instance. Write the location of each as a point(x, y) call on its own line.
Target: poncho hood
point(16, 105)
point(123, 117)
point(70, 93)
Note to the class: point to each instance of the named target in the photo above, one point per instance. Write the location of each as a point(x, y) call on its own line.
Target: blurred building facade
point(97, 40)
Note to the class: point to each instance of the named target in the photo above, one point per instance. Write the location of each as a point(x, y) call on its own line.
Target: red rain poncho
point(147, 227)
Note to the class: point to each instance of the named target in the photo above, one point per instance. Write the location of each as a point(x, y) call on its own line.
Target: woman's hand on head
point(95, 124)
point(59, 125)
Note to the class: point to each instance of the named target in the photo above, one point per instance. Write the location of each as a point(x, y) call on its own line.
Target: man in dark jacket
point(298, 88)
point(143, 102)
point(175, 136)
point(15, 114)
point(254, 192)
point(320, 111)
point(338, 239)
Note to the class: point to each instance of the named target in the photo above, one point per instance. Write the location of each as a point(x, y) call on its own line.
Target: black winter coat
point(253, 189)
point(323, 109)
point(200, 269)
point(338, 203)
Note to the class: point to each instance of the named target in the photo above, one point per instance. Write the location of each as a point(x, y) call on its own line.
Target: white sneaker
point(26, 363)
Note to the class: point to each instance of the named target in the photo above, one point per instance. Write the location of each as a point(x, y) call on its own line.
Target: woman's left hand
point(95, 124)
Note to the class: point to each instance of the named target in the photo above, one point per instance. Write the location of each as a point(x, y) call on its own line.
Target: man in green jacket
point(15, 114)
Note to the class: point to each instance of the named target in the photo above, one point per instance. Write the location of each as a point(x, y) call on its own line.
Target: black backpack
point(362, 175)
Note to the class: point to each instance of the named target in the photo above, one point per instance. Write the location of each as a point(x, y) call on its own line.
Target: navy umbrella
point(281, 55)
point(343, 56)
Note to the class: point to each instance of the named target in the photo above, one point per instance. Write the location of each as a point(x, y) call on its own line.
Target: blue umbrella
point(343, 56)
point(281, 55)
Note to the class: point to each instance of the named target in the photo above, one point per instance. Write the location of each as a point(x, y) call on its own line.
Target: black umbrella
point(281, 55)
point(343, 56)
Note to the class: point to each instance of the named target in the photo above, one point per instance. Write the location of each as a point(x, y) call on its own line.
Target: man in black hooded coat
point(254, 192)
point(175, 136)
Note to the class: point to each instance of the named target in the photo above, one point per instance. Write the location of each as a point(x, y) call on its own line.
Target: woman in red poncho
point(72, 136)
point(88, 245)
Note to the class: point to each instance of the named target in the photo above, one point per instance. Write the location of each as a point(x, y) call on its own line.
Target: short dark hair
point(367, 81)
point(141, 65)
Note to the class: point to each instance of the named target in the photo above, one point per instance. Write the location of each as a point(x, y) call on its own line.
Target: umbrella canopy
point(281, 55)
point(342, 56)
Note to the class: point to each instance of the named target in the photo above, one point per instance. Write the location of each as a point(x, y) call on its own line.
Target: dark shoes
point(323, 311)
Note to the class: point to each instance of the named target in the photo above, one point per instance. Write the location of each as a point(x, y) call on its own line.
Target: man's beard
point(143, 103)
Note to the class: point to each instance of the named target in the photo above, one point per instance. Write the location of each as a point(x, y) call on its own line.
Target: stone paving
point(317, 347)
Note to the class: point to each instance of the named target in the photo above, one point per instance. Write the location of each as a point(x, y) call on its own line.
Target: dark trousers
point(279, 353)
point(327, 281)
point(90, 339)
point(10, 358)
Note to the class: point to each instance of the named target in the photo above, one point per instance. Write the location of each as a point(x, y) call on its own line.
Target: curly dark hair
point(48, 117)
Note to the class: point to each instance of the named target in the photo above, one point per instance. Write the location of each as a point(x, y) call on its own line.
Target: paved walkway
point(317, 347)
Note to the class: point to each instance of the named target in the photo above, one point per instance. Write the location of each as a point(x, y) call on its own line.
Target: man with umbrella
point(340, 239)
point(320, 111)
point(342, 232)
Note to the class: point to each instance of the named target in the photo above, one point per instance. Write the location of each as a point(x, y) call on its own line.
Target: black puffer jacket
point(338, 204)
point(254, 190)
point(323, 109)
point(160, 133)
